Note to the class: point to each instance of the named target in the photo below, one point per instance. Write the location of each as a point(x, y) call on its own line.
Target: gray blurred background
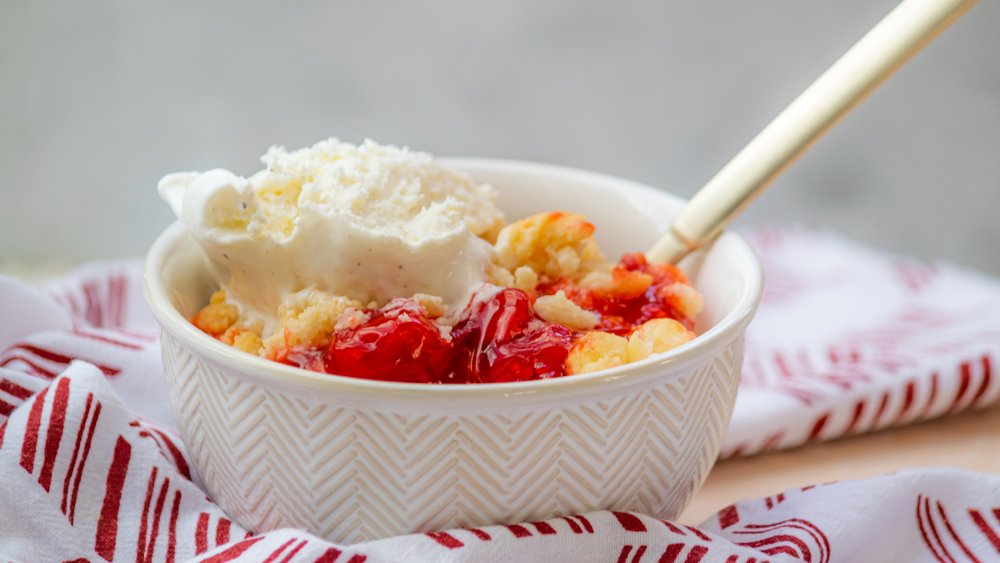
point(99, 99)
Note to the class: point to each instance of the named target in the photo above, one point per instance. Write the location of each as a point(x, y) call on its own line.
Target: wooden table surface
point(969, 440)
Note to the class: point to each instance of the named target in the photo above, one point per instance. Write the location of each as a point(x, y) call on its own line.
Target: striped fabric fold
point(848, 340)
point(100, 485)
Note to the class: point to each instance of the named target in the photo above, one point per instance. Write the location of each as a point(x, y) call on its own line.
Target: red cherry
point(398, 343)
point(496, 342)
point(505, 315)
point(633, 261)
point(538, 353)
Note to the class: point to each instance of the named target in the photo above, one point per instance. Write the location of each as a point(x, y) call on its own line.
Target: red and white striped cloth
point(847, 340)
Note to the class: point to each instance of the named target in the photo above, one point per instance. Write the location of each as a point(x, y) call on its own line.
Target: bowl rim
point(268, 371)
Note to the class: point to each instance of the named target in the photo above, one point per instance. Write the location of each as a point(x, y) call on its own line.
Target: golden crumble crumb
point(555, 244)
point(230, 334)
point(217, 316)
point(567, 260)
point(241, 338)
point(249, 342)
point(682, 297)
point(433, 304)
point(655, 336)
point(498, 275)
point(559, 309)
point(621, 283)
point(308, 317)
point(525, 279)
point(596, 351)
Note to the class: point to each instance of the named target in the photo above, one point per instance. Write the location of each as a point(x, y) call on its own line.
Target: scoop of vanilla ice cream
point(369, 222)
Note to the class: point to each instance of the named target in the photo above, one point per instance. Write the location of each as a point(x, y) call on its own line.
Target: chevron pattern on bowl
point(274, 458)
point(353, 459)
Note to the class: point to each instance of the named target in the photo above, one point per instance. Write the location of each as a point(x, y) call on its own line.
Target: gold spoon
point(910, 26)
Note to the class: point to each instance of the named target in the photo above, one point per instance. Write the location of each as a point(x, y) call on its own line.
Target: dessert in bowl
point(353, 458)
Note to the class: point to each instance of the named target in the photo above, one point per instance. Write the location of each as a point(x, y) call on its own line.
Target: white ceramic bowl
point(353, 460)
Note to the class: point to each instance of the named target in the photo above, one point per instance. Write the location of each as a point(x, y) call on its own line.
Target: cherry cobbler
point(553, 306)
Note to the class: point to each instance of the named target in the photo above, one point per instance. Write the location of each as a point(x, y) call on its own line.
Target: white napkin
point(849, 340)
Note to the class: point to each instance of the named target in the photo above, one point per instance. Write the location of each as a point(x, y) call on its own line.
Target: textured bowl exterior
point(353, 460)
point(277, 456)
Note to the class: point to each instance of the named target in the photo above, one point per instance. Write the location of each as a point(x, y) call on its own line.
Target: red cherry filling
point(538, 353)
point(622, 315)
point(398, 343)
point(498, 340)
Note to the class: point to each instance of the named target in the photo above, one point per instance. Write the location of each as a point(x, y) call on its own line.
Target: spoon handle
point(910, 26)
